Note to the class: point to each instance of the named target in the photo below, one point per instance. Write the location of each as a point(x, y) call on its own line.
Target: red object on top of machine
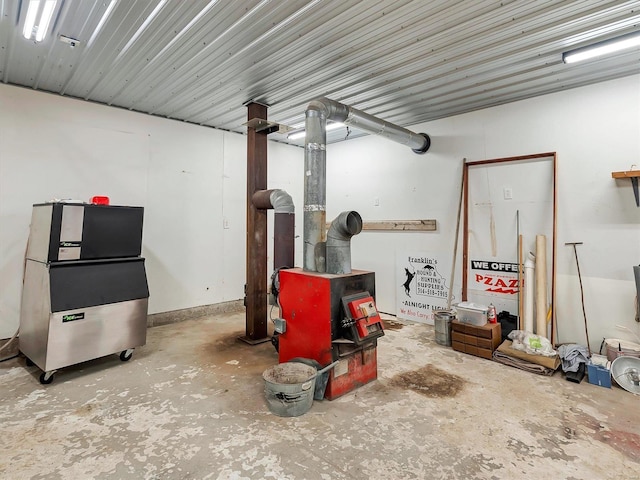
point(100, 200)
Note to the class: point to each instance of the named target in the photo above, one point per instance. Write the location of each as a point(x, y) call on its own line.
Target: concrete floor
point(190, 405)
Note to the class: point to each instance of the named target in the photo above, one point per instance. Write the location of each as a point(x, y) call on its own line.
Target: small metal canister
point(442, 321)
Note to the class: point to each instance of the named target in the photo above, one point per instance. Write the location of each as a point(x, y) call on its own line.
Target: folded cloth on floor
point(572, 355)
point(505, 359)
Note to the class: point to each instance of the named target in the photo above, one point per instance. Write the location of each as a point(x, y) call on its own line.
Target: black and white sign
point(423, 285)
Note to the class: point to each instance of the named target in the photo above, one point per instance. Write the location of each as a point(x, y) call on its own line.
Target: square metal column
point(256, 270)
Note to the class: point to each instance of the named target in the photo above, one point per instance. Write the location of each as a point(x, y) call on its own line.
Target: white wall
point(594, 130)
point(188, 178)
point(495, 222)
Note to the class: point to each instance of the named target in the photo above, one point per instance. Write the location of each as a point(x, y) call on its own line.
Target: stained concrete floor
point(190, 405)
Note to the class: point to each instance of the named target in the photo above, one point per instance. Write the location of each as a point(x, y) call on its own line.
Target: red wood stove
point(331, 317)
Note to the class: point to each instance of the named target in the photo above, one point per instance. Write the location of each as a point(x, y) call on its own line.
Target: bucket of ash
point(289, 388)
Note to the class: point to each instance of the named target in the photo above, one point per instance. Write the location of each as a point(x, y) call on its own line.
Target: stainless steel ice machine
point(85, 291)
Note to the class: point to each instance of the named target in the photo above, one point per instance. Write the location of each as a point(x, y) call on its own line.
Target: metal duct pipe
point(315, 189)
point(339, 112)
point(345, 226)
point(283, 225)
point(281, 201)
point(315, 158)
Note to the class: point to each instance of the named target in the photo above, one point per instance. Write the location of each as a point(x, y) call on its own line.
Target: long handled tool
point(519, 249)
point(584, 313)
point(455, 241)
point(520, 286)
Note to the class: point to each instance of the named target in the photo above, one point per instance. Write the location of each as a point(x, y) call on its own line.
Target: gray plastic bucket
point(289, 388)
point(442, 320)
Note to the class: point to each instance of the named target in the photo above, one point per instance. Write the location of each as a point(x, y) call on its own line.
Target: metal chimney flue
point(284, 224)
point(315, 189)
point(315, 160)
point(338, 256)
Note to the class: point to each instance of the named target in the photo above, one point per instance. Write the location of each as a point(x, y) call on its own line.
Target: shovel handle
point(328, 367)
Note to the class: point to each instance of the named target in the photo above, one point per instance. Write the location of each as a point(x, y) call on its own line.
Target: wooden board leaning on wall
point(399, 225)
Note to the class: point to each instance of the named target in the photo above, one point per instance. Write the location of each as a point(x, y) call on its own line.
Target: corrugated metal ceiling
point(406, 61)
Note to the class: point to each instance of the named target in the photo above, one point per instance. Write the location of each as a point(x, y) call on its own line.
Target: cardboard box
point(491, 331)
point(549, 362)
point(473, 350)
point(479, 340)
point(475, 341)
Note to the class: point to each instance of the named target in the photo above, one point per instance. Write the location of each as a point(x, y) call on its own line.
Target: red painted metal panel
point(305, 299)
point(308, 301)
point(363, 368)
point(365, 313)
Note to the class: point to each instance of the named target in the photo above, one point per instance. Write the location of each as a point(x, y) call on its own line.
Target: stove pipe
point(345, 226)
point(315, 159)
point(284, 224)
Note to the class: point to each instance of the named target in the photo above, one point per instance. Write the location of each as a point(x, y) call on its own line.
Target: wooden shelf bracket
point(633, 176)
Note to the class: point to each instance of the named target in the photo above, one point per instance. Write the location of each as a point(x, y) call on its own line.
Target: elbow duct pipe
point(281, 201)
point(283, 224)
point(345, 226)
point(315, 159)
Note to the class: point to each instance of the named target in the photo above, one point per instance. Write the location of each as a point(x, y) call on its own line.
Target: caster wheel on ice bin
point(46, 378)
point(29, 362)
point(126, 355)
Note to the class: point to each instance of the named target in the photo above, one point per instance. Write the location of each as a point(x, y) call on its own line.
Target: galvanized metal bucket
point(442, 323)
point(289, 388)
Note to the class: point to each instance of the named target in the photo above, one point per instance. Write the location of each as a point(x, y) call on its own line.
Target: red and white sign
point(494, 277)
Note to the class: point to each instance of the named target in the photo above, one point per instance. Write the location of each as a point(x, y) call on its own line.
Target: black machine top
point(102, 231)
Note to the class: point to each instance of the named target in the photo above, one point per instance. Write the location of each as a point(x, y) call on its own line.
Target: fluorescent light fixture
point(45, 19)
point(103, 20)
point(38, 24)
point(602, 48)
point(30, 21)
point(302, 133)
